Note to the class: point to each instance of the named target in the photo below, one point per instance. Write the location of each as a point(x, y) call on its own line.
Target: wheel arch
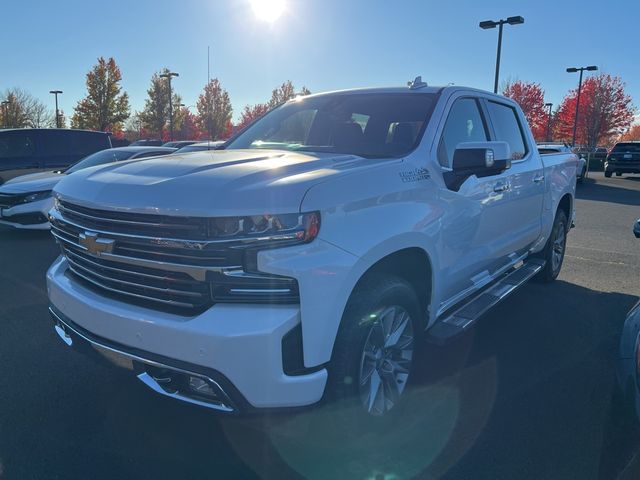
point(412, 264)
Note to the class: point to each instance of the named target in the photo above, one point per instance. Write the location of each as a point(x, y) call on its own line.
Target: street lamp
point(4, 104)
point(168, 76)
point(56, 92)
point(549, 105)
point(590, 68)
point(488, 24)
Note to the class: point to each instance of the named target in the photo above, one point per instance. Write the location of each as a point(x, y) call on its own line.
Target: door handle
point(538, 178)
point(502, 187)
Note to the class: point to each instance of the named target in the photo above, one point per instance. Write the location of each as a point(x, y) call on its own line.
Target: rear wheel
point(554, 250)
point(607, 174)
point(374, 351)
point(618, 174)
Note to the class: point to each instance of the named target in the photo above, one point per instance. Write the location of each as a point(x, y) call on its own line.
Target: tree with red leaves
point(633, 135)
point(250, 113)
point(530, 97)
point(606, 112)
point(189, 128)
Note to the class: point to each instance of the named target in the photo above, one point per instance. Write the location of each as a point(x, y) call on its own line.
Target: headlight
point(33, 197)
point(265, 229)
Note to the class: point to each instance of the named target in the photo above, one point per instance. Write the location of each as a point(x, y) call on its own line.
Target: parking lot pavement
point(527, 394)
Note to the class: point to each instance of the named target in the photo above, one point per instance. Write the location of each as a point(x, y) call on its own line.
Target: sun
point(268, 10)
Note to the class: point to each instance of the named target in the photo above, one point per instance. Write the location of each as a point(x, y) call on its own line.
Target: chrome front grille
point(156, 261)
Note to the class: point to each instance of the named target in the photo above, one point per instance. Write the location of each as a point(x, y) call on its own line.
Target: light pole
point(5, 105)
point(549, 105)
point(488, 24)
point(168, 76)
point(590, 68)
point(56, 93)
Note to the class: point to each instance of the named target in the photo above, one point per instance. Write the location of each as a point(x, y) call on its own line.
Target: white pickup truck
point(310, 257)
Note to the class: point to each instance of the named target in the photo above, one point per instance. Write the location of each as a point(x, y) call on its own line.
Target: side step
point(460, 318)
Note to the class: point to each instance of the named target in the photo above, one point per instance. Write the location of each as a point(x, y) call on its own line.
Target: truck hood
point(33, 182)
point(208, 183)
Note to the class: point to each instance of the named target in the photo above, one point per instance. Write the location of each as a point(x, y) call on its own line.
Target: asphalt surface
point(527, 394)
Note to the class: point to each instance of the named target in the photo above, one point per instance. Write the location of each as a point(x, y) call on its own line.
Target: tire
point(363, 356)
point(607, 174)
point(554, 250)
point(580, 179)
point(618, 174)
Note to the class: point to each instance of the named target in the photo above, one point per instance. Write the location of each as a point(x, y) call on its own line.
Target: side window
point(85, 143)
point(508, 129)
point(55, 143)
point(16, 145)
point(464, 124)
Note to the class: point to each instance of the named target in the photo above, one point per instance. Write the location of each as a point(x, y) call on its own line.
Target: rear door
point(522, 214)
point(18, 154)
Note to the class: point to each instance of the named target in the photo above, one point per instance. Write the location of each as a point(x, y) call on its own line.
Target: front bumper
point(28, 216)
point(239, 347)
point(622, 167)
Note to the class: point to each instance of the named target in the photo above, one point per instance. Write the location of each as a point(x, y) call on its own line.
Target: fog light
point(201, 387)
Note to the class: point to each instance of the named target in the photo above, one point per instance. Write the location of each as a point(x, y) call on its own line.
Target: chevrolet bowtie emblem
point(94, 244)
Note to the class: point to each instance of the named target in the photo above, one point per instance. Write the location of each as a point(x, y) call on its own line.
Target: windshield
point(369, 125)
point(627, 147)
point(99, 158)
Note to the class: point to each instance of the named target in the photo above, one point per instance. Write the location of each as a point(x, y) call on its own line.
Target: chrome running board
point(461, 317)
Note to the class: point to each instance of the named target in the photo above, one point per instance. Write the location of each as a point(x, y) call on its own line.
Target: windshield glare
point(99, 158)
point(368, 125)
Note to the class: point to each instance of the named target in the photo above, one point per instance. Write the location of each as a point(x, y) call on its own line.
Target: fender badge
point(415, 175)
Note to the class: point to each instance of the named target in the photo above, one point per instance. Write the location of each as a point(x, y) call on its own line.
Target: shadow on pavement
point(625, 192)
point(526, 394)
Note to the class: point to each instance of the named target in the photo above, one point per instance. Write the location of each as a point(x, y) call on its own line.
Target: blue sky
point(323, 44)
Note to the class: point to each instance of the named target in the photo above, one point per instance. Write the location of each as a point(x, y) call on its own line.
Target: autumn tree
point(23, 110)
point(250, 113)
point(530, 97)
point(632, 135)
point(285, 92)
point(189, 129)
point(155, 116)
point(606, 112)
point(106, 106)
point(214, 109)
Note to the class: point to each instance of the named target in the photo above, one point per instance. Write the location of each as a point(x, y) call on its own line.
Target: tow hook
point(63, 334)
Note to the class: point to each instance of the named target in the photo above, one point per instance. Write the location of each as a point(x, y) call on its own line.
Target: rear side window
point(464, 124)
point(508, 129)
point(55, 143)
point(85, 143)
point(16, 145)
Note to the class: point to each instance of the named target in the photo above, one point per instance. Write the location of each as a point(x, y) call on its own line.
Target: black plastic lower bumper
point(168, 377)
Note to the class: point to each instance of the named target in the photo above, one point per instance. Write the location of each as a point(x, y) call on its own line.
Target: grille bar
point(172, 303)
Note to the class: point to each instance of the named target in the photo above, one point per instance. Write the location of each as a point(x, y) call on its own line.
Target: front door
point(475, 239)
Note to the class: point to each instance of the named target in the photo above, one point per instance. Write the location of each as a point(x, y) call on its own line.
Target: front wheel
point(607, 174)
point(374, 351)
point(553, 253)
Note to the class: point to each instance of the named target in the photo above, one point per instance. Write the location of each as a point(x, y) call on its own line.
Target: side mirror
point(482, 159)
point(636, 229)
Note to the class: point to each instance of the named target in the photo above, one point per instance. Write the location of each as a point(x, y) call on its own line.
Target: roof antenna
point(417, 83)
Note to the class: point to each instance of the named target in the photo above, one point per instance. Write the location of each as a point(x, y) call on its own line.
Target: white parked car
point(25, 201)
point(311, 256)
point(552, 148)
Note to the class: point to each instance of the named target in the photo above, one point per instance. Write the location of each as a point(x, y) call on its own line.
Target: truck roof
point(426, 89)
